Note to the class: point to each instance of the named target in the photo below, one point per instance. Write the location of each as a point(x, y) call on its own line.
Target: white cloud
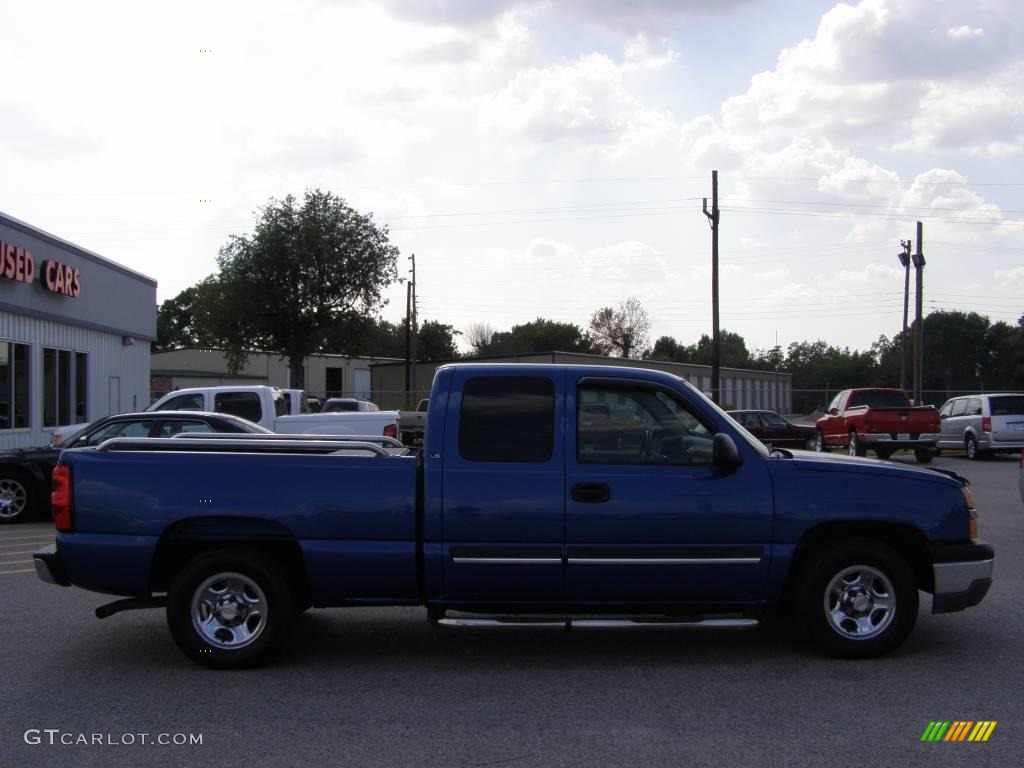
point(614, 14)
point(870, 273)
point(1010, 280)
point(586, 102)
point(878, 68)
point(964, 32)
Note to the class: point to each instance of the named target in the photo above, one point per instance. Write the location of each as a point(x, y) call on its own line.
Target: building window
point(64, 387)
point(14, 390)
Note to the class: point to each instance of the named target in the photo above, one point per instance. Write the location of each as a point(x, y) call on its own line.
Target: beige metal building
point(326, 375)
point(740, 388)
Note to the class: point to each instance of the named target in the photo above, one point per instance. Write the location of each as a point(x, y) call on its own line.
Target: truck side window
point(507, 418)
point(244, 404)
point(639, 426)
point(193, 402)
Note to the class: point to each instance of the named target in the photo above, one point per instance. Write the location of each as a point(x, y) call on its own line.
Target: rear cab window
point(244, 404)
point(507, 419)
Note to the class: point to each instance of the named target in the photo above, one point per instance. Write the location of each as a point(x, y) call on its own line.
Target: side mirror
point(724, 453)
point(834, 412)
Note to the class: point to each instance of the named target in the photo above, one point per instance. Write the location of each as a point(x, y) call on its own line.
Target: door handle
point(591, 493)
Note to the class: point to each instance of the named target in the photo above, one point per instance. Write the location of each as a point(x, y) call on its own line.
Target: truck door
point(503, 516)
point(648, 517)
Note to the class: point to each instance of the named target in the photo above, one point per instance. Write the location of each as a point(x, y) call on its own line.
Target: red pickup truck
point(880, 419)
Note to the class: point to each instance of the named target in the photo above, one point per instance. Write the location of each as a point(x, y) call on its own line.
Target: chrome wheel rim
point(853, 445)
point(972, 448)
point(860, 602)
point(229, 610)
point(819, 443)
point(13, 498)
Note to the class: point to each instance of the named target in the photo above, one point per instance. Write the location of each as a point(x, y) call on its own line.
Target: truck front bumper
point(963, 574)
point(49, 566)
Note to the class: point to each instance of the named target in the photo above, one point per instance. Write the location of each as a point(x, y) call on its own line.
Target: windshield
point(754, 443)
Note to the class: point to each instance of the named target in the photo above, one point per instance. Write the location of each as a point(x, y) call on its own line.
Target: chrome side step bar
point(569, 623)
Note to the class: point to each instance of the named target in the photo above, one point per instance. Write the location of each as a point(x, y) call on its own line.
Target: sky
point(546, 159)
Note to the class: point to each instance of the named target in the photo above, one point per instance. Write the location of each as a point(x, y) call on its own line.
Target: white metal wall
point(107, 358)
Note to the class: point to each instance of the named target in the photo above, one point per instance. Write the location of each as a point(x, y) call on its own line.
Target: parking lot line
point(27, 542)
point(19, 552)
point(24, 538)
point(16, 562)
point(23, 570)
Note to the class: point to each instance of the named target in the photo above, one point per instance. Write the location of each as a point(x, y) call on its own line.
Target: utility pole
point(716, 344)
point(904, 257)
point(919, 262)
point(412, 403)
point(408, 342)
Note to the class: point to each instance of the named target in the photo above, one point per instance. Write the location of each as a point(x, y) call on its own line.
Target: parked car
point(516, 515)
point(878, 418)
point(773, 430)
point(25, 472)
point(983, 424)
point(347, 404)
point(268, 407)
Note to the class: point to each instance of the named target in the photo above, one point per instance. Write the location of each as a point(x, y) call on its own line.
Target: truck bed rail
point(383, 440)
point(245, 445)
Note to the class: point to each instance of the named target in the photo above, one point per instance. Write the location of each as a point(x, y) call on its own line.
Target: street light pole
point(904, 257)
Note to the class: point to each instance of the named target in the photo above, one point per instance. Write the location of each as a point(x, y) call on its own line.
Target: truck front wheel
point(856, 449)
point(858, 598)
point(229, 609)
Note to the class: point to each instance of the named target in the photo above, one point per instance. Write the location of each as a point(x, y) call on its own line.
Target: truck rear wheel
point(229, 609)
point(923, 455)
point(858, 598)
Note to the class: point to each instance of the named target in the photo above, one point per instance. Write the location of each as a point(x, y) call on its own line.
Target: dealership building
point(75, 333)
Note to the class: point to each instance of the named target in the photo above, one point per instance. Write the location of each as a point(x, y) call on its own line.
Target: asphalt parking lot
point(371, 687)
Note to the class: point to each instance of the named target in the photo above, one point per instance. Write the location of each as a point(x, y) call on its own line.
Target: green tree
point(954, 354)
point(436, 341)
point(539, 335)
point(176, 324)
point(304, 268)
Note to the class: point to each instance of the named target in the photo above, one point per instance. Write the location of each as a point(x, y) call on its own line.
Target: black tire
point(247, 579)
point(846, 571)
point(18, 497)
point(923, 455)
point(971, 448)
point(819, 442)
point(854, 446)
point(883, 453)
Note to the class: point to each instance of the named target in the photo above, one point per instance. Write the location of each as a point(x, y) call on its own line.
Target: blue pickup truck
point(530, 504)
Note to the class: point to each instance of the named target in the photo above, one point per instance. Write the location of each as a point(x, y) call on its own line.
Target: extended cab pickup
point(271, 408)
point(879, 419)
point(517, 511)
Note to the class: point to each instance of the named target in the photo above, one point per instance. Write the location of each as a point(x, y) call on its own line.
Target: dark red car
point(772, 429)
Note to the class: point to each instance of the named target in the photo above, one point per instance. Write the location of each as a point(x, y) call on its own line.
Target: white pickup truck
point(269, 407)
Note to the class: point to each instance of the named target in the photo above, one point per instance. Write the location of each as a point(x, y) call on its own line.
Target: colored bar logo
point(958, 730)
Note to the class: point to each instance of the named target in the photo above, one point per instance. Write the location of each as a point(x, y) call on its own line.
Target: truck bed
point(354, 516)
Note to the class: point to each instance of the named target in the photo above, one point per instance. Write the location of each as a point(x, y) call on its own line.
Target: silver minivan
point(983, 424)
